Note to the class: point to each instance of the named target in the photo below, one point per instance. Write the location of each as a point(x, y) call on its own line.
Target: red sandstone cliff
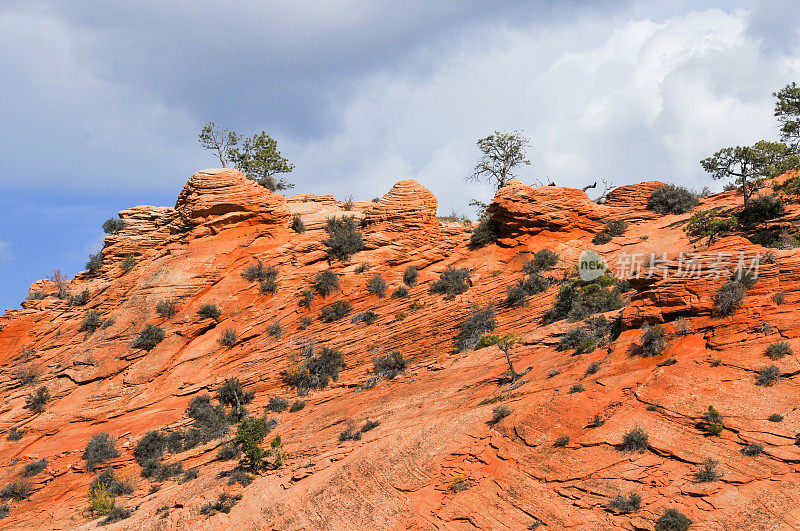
point(433, 419)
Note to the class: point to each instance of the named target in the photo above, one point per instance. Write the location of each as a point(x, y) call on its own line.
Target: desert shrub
point(296, 406)
point(315, 371)
point(16, 490)
point(410, 276)
point(753, 449)
point(34, 467)
point(209, 311)
point(729, 297)
point(128, 263)
point(474, 327)
point(552, 373)
point(653, 340)
point(27, 375)
point(113, 484)
point(81, 299)
point(498, 414)
point(4, 510)
point(777, 350)
point(452, 282)
point(148, 338)
point(239, 476)
point(779, 297)
point(35, 295)
point(100, 448)
point(224, 504)
point(351, 433)
point(326, 282)
point(344, 238)
point(306, 298)
point(593, 368)
point(367, 317)
point(775, 417)
point(561, 441)
point(533, 284)
point(188, 476)
point(37, 401)
point(708, 472)
point(673, 520)
point(257, 272)
point(209, 421)
point(14, 434)
point(484, 234)
point(304, 323)
point(335, 311)
point(578, 338)
point(227, 452)
point(596, 422)
point(113, 225)
point(708, 223)
point(297, 224)
point(635, 440)
point(370, 425)
point(578, 299)
point(542, 260)
point(268, 286)
point(671, 199)
point(100, 500)
point(232, 394)
point(275, 330)
point(115, 514)
point(761, 208)
point(91, 322)
point(166, 308)
point(363, 267)
point(625, 505)
point(577, 388)
point(157, 471)
point(682, 326)
point(377, 285)
point(228, 338)
point(601, 238)
point(277, 404)
point(174, 441)
point(616, 227)
point(400, 293)
point(390, 365)
point(152, 446)
point(95, 263)
point(768, 376)
point(713, 424)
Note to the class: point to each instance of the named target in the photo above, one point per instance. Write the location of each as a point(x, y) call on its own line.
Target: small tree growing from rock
point(500, 154)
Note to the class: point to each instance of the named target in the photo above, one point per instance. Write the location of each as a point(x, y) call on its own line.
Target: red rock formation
point(633, 195)
point(433, 461)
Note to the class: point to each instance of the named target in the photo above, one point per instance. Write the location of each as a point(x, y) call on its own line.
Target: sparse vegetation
point(257, 272)
point(223, 504)
point(673, 520)
point(315, 371)
point(498, 414)
point(115, 514)
point(344, 238)
point(81, 299)
point(777, 350)
point(729, 297)
point(671, 199)
point(579, 299)
point(326, 282)
point(95, 263)
point(635, 440)
point(113, 225)
point(277, 404)
point(34, 467)
point(297, 224)
point(275, 330)
point(775, 417)
point(148, 338)
point(577, 388)
point(625, 505)
point(779, 297)
point(653, 340)
point(768, 376)
point(377, 285)
point(228, 338)
point(501, 153)
point(296, 406)
point(36, 402)
point(713, 424)
point(91, 322)
point(484, 234)
point(474, 327)
point(593, 368)
point(708, 223)
point(14, 434)
point(128, 263)
point(452, 282)
point(150, 447)
point(306, 298)
point(166, 308)
point(335, 311)
point(707, 472)
point(753, 449)
point(410, 276)
point(760, 209)
point(390, 365)
point(209, 311)
point(16, 490)
point(400, 293)
point(543, 260)
point(368, 317)
point(561, 441)
point(100, 448)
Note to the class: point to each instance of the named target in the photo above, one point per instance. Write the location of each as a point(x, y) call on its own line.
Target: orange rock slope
point(433, 462)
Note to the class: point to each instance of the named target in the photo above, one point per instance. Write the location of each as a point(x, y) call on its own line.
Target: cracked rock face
point(435, 460)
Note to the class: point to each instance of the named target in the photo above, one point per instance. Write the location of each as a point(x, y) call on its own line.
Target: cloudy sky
point(102, 101)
